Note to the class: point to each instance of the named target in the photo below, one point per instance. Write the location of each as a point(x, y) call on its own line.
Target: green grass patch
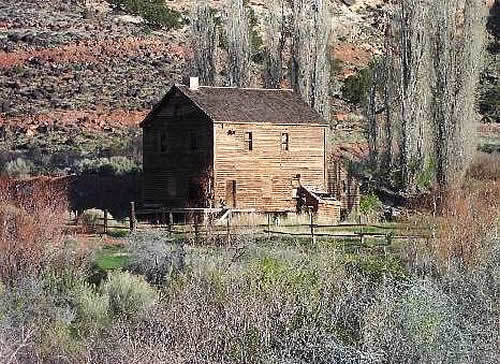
point(111, 258)
point(117, 233)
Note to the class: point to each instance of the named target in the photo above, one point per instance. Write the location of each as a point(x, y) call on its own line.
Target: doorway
point(231, 193)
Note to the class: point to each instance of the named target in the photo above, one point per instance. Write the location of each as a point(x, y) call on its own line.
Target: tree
point(204, 41)
point(310, 66)
point(421, 109)
point(238, 43)
point(275, 44)
point(458, 58)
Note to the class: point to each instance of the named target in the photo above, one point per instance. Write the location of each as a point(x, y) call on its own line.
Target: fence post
point(105, 227)
point(163, 218)
point(132, 217)
point(196, 228)
point(311, 224)
point(228, 225)
point(170, 220)
point(268, 224)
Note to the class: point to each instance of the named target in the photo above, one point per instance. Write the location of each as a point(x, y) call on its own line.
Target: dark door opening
point(231, 193)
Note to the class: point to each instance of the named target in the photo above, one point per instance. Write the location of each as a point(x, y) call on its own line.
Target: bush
point(155, 12)
point(114, 166)
point(18, 168)
point(31, 226)
point(129, 296)
point(155, 257)
point(90, 220)
point(356, 87)
point(92, 308)
point(370, 205)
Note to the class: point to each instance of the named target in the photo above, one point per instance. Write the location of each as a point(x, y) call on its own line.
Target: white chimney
point(194, 83)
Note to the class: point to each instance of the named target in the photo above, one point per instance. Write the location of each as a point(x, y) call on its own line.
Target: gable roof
point(245, 105)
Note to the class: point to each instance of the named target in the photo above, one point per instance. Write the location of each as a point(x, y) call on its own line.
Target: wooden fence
point(200, 221)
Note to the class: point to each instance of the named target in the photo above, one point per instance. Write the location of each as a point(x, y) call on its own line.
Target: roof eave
point(322, 125)
point(157, 107)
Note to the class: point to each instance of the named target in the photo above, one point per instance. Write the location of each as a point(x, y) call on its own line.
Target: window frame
point(285, 141)
point(249, 141)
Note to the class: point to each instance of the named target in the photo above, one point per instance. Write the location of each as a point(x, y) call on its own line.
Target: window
point(284, 141)
point(171, 187)
point(249, 140)
point(163, 141)
point(194, 142)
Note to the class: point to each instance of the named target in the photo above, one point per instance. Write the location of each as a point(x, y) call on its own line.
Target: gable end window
point(284, 141)
point(249, 140)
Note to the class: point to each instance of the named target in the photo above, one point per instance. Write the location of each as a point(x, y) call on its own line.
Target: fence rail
point(204, 221)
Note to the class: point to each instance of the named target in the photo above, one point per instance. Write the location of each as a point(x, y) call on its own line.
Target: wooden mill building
point(239, 148)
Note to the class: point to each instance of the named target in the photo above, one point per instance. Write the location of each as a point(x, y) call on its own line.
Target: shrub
point(92, 308)
point(155, 257)
point(114, 166)
point(129, 296)
point(485, 166)
point(155, 12)
point(412, 325)
point(18, 168)
point(370, 205)
point(31, 226)
point(356, 87)
point(90, 220)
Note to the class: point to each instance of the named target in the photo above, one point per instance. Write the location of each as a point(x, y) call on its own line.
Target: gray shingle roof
point(229, 104)
point(252, 105)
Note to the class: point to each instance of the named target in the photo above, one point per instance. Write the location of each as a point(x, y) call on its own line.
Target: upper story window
point(249, 140)
point(284, 141)
point(163, 141)
point(194, 141)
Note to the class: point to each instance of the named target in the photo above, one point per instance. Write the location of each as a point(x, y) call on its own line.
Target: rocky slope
point(78, 75)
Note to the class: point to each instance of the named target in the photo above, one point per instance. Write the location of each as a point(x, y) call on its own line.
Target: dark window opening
point(249, 140)
point(171, 187)
point(163, 141)
point(194, 142)
point(284, 141)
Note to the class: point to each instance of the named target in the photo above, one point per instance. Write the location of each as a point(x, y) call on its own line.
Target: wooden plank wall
point(343, 185)
point(168, 173)
point(264, 175)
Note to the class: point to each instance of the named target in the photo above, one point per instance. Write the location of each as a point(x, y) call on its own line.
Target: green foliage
point(370, 204)
point(155, 12)
point(256, 41)
point(114, 166)
point(489, 103)
point(376, 268)
point(129, 296)
point(92, 308)
point(357, 86)
point(18, 168)
point(427, 176)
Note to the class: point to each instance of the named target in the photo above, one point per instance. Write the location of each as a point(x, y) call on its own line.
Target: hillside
point(77, 76)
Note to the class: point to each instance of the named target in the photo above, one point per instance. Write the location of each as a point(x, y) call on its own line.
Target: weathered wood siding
point(263, 176)
point(178, 147)
point(343, 185)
